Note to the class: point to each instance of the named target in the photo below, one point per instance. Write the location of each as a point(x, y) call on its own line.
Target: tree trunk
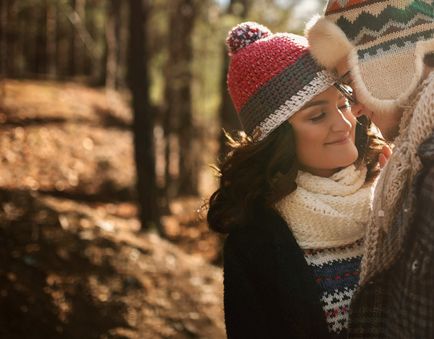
point(13, 45)
point(27, 41)
point(143, 118)
point(76, 59)
point(98, 49)
point(3, 49)
point(178, 117)
point(78, 52)
point(51, 39)
point(112, 39)
point(40, 57)
point(63, 48)
point(123, 46)
point(74, 43)
point(3, 37)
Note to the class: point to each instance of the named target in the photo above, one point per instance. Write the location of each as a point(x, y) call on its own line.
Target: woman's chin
point(350, 159)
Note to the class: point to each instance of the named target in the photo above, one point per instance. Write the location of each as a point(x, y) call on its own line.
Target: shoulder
point(426, 151)
point(261, 229)
point(259, 238)
point(424, 186)
point(425, 181)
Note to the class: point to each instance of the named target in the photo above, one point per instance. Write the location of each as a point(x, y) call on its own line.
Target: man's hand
point(384, 156)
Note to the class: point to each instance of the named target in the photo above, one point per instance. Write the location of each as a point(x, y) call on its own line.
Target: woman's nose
point(343, 122)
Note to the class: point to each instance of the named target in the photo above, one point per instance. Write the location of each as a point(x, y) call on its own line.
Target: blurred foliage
point(210, 32)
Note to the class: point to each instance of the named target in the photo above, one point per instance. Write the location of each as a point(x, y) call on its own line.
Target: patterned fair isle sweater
point(336, 271)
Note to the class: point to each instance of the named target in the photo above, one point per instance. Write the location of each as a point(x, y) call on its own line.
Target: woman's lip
point(339, 142)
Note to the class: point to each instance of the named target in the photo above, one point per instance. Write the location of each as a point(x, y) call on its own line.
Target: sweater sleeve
point(425, 294)
point(425, 196)
point(425, 210)
point(244, 316)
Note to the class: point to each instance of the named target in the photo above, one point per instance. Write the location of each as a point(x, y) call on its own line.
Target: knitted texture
point(245, 34)
point(336, 271)
point(392, 191)
point(327, 212)
point(270, 77)
point(389, 40)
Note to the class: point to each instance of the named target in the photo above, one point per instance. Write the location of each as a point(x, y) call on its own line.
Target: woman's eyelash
point(318, 117)
point(321, 115)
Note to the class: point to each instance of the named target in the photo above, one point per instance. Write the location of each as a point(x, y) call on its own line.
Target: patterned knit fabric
point(389, 40)
point(336, 271)
point(270, 77)
point(386, 33)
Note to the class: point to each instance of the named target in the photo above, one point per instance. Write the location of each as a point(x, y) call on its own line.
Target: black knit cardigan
point(269, 289)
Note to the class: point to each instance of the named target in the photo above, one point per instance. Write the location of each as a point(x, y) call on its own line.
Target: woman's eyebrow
point(314, 103)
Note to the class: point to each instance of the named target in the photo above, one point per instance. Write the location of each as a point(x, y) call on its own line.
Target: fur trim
point(327, 43)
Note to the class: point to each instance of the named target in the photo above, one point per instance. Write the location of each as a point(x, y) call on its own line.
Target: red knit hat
point(270, 77)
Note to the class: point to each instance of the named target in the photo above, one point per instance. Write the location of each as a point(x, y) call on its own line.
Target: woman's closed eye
point(318, 117)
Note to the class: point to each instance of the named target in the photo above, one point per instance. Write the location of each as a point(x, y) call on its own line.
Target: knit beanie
point(270, 77)
point(385, 42)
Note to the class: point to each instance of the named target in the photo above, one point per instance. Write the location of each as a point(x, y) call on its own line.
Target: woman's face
point(324, 133)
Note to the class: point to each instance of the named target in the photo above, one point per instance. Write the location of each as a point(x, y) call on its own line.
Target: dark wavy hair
point(260, 173)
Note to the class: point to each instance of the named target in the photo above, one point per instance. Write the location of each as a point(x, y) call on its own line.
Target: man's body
point(396, 297)
point(396, 294)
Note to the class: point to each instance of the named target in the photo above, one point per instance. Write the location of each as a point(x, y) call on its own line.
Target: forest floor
point(73, 263)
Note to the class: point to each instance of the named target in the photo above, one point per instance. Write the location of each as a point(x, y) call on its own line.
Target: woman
point(294, 192)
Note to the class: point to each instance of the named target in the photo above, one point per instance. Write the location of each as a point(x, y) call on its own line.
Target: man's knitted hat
point(385, 42)
point(270, 77)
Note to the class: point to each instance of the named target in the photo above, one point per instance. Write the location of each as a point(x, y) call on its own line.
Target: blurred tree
point(3, 48)
point(27, 38)
point(64, 33)
point(275, 14)
point(13, 46)
point(3, 37)
point(122, 48)
point(38, 64)
point(113, 26)
point(227, 115)
point(143, 124)
point(77, 55)
point(95, 24)
point(178, 122)
point(51, 31)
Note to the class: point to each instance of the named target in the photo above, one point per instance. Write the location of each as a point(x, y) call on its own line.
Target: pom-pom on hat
point(245, 34)
point(384, 42)
point(270, 77)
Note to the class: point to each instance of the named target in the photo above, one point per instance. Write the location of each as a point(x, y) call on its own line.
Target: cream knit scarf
point(327, 212)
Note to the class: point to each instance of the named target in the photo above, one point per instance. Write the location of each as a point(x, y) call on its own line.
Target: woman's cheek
point(310, 143)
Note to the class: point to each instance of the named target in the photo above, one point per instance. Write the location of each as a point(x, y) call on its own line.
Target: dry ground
point(72, 262)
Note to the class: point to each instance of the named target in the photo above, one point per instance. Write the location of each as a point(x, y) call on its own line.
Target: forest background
point(111, 115)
